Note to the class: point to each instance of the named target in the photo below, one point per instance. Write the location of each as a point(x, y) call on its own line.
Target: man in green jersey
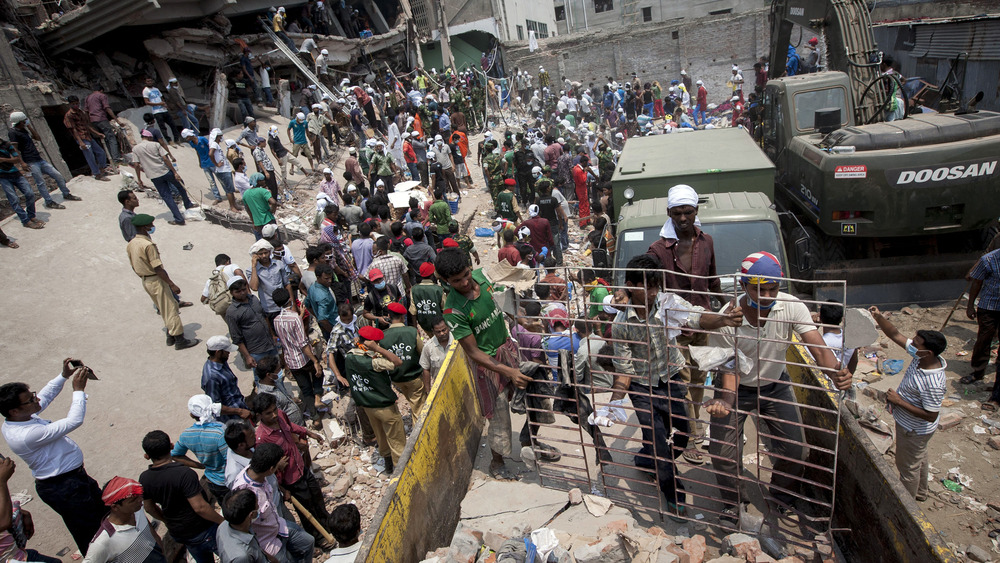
point(479, 326)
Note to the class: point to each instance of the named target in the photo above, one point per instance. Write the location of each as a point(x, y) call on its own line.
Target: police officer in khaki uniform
point(146, 264)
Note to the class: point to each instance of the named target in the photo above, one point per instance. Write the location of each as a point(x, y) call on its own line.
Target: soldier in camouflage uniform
point(605, 163)
point(493, 163)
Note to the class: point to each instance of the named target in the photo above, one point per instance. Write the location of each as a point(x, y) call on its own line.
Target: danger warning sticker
point(851, 171)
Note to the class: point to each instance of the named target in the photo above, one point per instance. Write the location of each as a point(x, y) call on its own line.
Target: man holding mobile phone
point(56, 462)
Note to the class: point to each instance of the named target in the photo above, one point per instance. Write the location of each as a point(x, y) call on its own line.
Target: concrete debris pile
point(497, 518)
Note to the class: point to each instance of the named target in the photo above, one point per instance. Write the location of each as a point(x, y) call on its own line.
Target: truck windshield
point(733, 242)
point(806, 104)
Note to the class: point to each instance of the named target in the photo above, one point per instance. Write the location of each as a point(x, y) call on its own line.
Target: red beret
point(449, 243)
point(370, 333)
point(397, 308)
point(427, 269)
point(510, 182)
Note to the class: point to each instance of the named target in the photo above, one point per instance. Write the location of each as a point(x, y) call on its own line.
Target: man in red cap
point(368, 366)
point(388, 264)
point(811, 60)
point(507, 202)
point(380, 294)
point(404, 342)
point(125, 533)
point(427, 297)
point(478, 324)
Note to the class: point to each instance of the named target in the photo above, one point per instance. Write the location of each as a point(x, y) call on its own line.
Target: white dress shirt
point(43, 444)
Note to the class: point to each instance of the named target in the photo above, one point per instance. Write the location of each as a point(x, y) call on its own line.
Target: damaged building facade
point(53, 53)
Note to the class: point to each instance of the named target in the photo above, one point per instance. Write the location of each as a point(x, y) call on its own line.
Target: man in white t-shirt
point(769, 319)
point(153, 98)
point(281, 251)
point(225, 264)
point(916, 403)
point(832, 313)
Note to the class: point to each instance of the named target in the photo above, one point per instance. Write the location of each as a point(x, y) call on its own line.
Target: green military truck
point(734, 181)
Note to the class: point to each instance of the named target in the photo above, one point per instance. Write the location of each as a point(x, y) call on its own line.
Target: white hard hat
point(430, 154)
point(17, 117)
point(324, 52)
point(699, 82)
point(536, 170)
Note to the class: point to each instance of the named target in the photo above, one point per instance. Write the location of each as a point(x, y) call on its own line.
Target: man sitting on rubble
point(766, 387)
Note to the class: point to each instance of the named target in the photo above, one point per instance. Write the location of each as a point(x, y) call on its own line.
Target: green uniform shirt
point(440, 215)
point(256, 201)
point(494, 168)
point(427, 301)
point(402, 341)
point(505, 205)
point(480, 317)
point(369, 379)
point(465, 243)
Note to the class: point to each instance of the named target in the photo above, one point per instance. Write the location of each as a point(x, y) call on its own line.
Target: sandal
point(11, 244)
point(694, 456)
point(990, 406)
point(970, 379)
point(185, 304)
point(502, 473)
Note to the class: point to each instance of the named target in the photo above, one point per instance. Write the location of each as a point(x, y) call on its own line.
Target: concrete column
point(15, 94)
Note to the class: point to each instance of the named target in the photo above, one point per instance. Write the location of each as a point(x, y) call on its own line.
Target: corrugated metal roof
point(980, 39)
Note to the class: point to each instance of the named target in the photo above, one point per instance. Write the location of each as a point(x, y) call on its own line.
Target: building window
point(647, 14)
point(541, 30)
point(603, 5)
point(520, 33)
point(560, 13)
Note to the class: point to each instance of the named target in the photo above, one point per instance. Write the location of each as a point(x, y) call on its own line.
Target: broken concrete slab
point(582, 522)
point(510, 508)
point(950, 420)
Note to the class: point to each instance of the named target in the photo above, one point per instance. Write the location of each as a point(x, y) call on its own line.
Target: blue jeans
point(226, 179)
point(187, 119)
point(10, 188)
point(95, 157)
point(163, 185)
point(210, 175)
point(43, 167)
point(414, 170)
point(268, 97)
point(246, 107)
point(202, 547)
point(298, 546)
point(648, 109)
point(699, 112)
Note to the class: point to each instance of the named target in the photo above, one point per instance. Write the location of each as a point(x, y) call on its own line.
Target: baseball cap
point(269, 230)
point(249, 119)
point(327, 171)
point(375, 274)
point(220, 342)
point(233, 281)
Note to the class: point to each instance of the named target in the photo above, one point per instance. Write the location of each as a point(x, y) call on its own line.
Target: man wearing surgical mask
point(769, 319)
point(916, 403)
point(281, 252)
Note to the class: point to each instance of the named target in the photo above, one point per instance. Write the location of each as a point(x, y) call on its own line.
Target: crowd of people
point(383, 293)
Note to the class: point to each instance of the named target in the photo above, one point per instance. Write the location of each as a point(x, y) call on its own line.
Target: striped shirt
point(208, 443)
point(269, 524)
point(922, 388)
point(288, 327)
point(987, 270)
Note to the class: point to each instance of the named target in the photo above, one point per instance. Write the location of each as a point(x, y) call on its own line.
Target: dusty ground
point(71, 292)
point(960, 521)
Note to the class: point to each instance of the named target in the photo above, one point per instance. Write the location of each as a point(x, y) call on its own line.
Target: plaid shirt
point(642, 350)
point(289, 328)
point(987, 270)
point(265, 161)
point(219, 382)
point(342, 338)
point(78, 123)
point(392, 267)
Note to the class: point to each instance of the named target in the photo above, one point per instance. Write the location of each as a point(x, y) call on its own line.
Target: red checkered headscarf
point(120, 488)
